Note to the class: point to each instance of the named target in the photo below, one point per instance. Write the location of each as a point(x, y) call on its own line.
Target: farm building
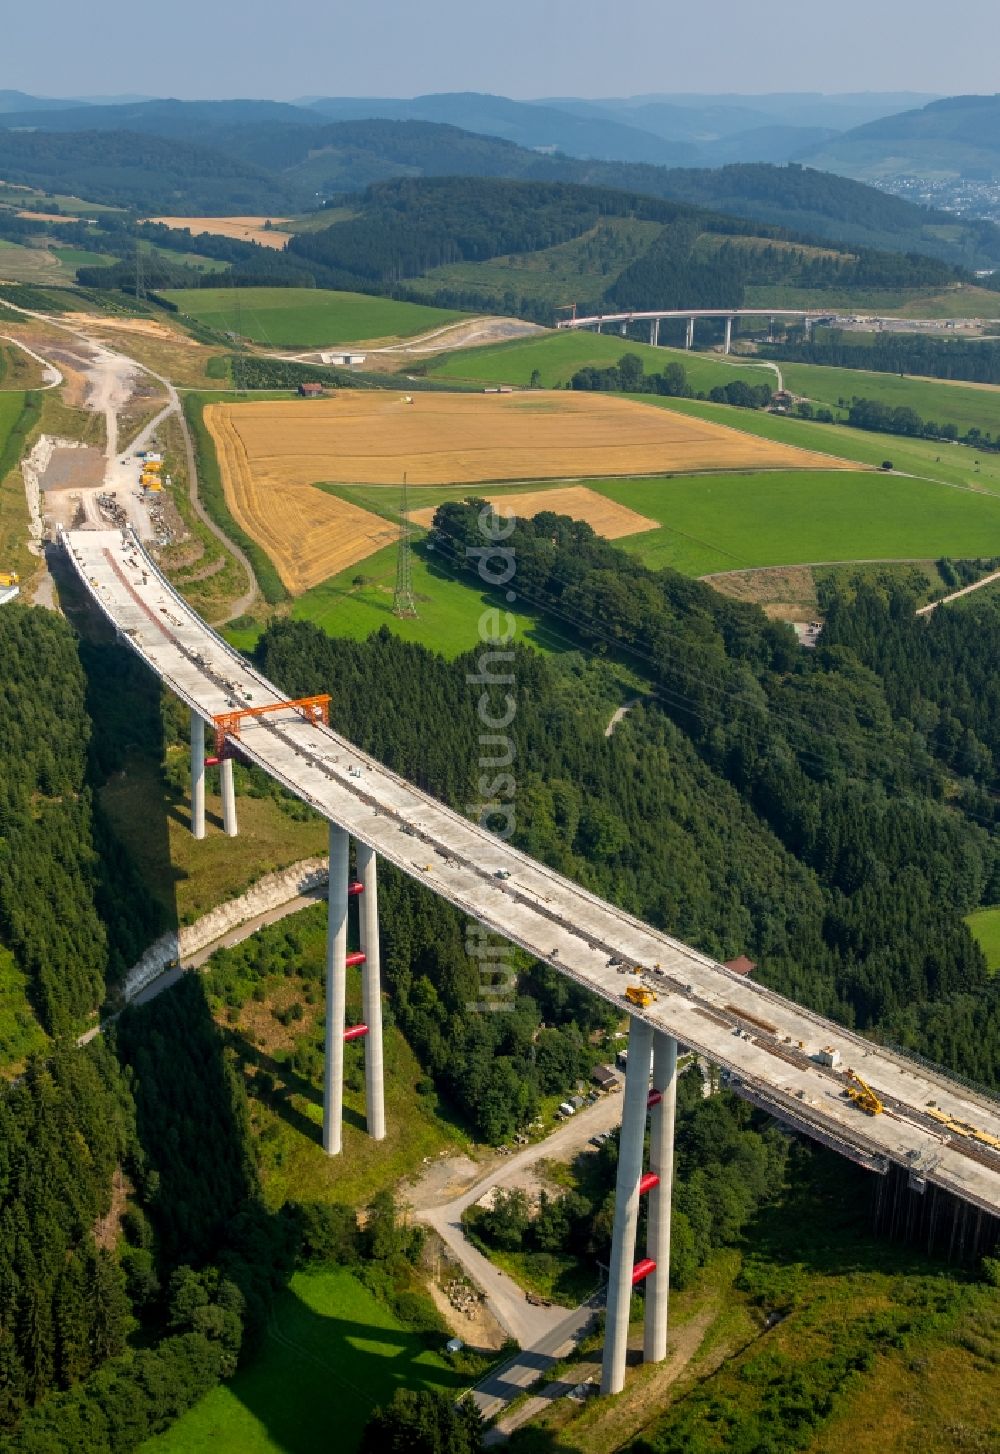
point(311, 391)
point(604, 1077)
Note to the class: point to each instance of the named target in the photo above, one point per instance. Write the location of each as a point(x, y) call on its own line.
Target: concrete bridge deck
point(764, 1041)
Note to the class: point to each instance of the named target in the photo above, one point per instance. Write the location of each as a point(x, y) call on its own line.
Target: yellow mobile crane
point(8, 578)
point(862, 1095)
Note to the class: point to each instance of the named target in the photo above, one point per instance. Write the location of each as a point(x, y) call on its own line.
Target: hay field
point(606, 517)
point(372, 437)
point(242, 229)
point(308, 534)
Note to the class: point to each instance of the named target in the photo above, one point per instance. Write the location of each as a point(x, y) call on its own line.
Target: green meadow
point(449, 609)
point(306, 317)
point(985, 926)
point(557, 356)
point(950, 464)
point(735, 521)
point(965, 405)
point(331, 1353)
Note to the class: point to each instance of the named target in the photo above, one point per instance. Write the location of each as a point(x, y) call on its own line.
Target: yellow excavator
point(862, 1095)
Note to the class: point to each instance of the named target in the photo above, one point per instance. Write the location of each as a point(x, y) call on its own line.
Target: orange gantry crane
point(227, 724)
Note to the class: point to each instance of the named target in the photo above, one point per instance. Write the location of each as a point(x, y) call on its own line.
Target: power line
point(403, 604)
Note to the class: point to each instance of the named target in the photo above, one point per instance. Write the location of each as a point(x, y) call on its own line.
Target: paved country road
point(530, 1324)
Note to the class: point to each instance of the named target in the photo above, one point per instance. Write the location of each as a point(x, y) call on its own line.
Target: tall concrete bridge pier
point(938, 1137)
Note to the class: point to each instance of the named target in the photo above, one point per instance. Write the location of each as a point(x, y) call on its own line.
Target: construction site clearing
point(74, 485)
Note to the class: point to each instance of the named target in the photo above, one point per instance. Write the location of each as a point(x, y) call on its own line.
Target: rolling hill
point(148, 173)
point(959, 136)
point(540, 127)
point(529, 247)
point(272, 157)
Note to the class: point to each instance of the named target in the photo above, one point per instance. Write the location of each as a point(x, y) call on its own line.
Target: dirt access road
point(468, 333)
point(528, 1323)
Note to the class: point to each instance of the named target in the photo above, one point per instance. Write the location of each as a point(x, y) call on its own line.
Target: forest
point(409, 227)
point(977, 360)
point(267, 158)
point(128, 169)
point(761, 800)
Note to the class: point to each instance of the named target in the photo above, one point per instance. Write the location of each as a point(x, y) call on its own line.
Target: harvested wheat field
point(243, 229)
point(371, 437)
point(605, 517)
point(273, 453)
point(308, 534)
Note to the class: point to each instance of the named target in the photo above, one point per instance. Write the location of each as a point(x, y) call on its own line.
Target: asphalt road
point(531, 1325)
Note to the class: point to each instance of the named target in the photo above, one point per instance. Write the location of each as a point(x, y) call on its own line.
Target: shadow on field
point(128, 710)
point(285, 1082)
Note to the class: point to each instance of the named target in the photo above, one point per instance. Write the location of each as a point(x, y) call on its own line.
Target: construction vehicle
point(862, 1095)
point(637, 995)
point(9, 578)
point(963, 1128)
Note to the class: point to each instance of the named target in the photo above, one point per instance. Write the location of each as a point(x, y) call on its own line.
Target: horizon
point(112, 98)
point(566, 47)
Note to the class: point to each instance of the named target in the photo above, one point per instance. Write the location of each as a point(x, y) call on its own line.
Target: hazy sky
point(191, 48)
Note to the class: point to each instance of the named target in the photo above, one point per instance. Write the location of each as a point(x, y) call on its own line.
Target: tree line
point(885, 419)
point(898, 353)
point(629, 376)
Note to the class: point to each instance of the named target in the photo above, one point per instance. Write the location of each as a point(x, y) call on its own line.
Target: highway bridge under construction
point(882, 1110)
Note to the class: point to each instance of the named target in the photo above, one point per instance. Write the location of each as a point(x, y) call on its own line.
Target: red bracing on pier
point(355, 1032)
point(649, 1180)
point(642, 1269)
